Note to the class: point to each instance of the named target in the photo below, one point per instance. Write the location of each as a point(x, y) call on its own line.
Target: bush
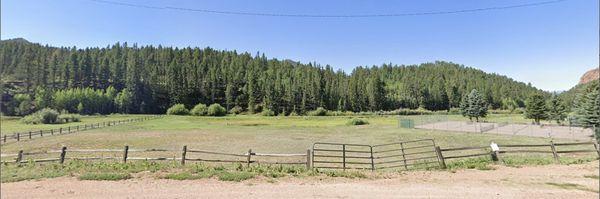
point(357, 121)
point(319, 112)
point(199, 110)
point(178, 109)
point(44, 116)
point(236, 110)
point(293, 113)
point(216, 110)
point(267, 112)
point(69, 118)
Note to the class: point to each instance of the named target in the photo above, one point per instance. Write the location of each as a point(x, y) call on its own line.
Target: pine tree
point(556, 109)
point(535, 108)
point(591, 108)
point(477, 107)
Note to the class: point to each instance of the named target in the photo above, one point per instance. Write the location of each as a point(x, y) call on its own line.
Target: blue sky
point(550, 46)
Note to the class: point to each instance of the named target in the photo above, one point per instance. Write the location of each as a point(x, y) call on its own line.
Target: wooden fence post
point(183, 154)
point(249, 157)
point(438, 151)
point(595, 146)
point(19, 156)
point(344, 157)
point(494, 155)
point(63, 153)
point(41, 133)
point(18, 137)
point(554, 151)
point(4, 138)
point(69, 129)
point(403, 156)
point(51, 131)
point(308, 159)
point(30, 135)
point(60, 131)
point(125, 152)
point(372, 160)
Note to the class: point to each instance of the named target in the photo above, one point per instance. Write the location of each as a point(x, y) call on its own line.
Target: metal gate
point(414, 154)
point(342, 156)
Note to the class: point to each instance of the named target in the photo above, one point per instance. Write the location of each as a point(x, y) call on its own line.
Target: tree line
point(150, 79)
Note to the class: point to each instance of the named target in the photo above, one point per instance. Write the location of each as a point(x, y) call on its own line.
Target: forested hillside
point(149, 79)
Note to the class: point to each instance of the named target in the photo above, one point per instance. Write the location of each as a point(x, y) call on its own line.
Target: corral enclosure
point(267, 135)
point(500, 125)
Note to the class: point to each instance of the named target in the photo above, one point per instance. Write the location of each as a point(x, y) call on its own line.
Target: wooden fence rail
point(550, 148)
point(76, 154)
point(347, 159)
point(17, 137)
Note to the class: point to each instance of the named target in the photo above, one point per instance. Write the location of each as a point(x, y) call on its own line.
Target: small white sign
point(495, 147)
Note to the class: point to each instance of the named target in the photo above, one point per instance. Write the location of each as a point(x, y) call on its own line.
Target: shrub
point(216, 110)
point(357, 121)
point(44, 116)
point(267, 112)
point(293, 113)
point(199, 110)
point(69, 117)
point(319, 112)
point(236, 110)
point(178, 109)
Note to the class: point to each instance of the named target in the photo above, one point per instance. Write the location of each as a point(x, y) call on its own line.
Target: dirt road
point(553, 181)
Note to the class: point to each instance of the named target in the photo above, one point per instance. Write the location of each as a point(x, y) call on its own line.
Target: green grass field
point(237, 134)
point(240, 133)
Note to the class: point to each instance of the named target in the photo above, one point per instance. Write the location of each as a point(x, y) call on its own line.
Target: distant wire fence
point(506, 126)
point(407, 155)
point(28, 135)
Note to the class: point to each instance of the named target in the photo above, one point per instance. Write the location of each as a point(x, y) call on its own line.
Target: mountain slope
point(157, 77)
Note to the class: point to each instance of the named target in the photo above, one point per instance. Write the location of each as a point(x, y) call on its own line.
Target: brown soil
point(503, 182)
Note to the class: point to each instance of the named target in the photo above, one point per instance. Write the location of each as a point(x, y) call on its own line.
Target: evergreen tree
point(556, 109)
point(535, 108)
point(476, 106)
point(590, 106)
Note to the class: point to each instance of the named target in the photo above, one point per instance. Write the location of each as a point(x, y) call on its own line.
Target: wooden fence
point(16, 137)
point(481, 151)
point(374, 158)
point(186, 155)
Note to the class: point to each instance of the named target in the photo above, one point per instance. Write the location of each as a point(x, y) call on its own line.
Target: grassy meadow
point(237, 134)
point(243, 132)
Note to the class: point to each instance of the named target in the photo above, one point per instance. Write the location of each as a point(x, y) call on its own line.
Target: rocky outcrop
point(589, 76)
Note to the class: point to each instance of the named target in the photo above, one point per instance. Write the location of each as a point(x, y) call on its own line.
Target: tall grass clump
point(44, 116)
point(318, 112)
point(216, 110)
point(267, 112)
point(200, 110)
point(357, 121)
point(178, 109)
point(110, 176)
